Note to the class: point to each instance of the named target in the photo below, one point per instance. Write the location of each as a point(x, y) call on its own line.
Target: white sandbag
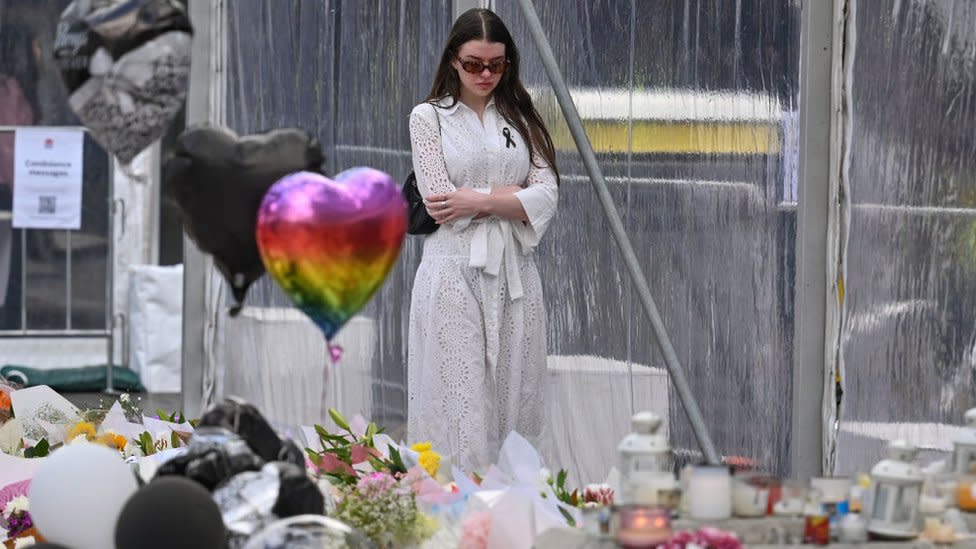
point(156, 326)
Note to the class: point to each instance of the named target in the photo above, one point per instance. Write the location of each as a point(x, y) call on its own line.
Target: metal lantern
point(964, 447)
point(644, 461)
point(896, 485)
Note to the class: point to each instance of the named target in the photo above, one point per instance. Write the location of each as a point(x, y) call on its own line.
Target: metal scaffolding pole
point(206, 16)
point(819, 59)
point(675, 370)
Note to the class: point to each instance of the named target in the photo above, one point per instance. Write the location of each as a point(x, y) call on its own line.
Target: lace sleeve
point(428, 156)
point(539, 199)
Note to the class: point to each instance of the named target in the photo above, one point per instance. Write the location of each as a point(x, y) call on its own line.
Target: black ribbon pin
point(509, 142)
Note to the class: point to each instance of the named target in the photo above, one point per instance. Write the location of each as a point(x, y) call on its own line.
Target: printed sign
point(47, 178)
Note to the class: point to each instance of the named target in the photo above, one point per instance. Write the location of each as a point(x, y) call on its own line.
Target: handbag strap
point(437, 116)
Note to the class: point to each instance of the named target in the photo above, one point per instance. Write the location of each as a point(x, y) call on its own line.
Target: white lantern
point(896, 485)
point(644, 461)
point(964, 447)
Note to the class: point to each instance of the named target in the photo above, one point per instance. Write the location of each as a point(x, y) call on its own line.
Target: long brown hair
point(511, 99)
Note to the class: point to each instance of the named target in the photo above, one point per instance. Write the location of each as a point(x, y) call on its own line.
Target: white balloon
point(77, 494)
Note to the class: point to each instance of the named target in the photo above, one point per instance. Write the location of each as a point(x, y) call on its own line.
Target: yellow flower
point(113, 440)
point(430, 461)
point(421, 447)
point(82, 428)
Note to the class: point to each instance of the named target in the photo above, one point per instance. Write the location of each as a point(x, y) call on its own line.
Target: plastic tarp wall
point(908, 345)
point(690, 105)
point(348, 72)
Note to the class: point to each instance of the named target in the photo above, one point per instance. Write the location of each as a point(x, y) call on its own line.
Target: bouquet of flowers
point(55, 421)
point(703, 538)
point(17, 523)
point(344, 453)
point(385, 510)
point(593, 496)
point(374, 489)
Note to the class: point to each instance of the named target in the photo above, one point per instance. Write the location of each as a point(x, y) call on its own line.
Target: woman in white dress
point(477, 344)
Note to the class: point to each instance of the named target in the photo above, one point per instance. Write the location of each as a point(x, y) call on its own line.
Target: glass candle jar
point(710, 493)
point(642, 526)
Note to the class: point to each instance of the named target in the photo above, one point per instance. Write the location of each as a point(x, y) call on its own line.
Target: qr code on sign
point(47, 204)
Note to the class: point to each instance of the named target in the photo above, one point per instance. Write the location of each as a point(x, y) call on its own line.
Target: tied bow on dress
point(494, 242)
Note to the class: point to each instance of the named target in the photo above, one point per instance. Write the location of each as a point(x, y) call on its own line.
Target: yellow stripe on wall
point(676, 138)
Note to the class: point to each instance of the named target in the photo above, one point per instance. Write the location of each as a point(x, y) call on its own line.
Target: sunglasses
point(497, 66)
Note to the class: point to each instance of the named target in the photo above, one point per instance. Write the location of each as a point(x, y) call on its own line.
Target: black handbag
point(419, 220)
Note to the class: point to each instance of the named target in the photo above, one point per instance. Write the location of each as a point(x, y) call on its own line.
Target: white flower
point(19, 503)
point(10, 435)
point(132, 449)
point(124, 397)
point(163, 441)
point(79, 439)
point(25, 541)
point(543, 480)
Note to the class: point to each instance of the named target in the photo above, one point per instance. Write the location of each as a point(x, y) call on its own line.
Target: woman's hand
point(452, 206)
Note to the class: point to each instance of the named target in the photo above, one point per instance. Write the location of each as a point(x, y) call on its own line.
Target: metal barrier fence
point(42, 260)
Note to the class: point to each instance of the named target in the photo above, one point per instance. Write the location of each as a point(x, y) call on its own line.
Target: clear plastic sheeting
point(348, 72)
point(690, 106)
point(908, 344)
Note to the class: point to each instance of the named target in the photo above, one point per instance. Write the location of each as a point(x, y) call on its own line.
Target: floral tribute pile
point(394, 494)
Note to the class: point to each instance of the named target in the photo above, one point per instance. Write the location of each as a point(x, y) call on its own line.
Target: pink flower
point(375, 484)
point(332, 464)
point(601, 494)
point(475, 530)
point(361, 453)
point(718, 539)
point(707, 537)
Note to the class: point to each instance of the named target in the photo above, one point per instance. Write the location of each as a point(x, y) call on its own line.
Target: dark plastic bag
point(213, 455)
point(247, 422)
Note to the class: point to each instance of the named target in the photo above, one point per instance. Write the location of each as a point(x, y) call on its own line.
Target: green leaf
point(377, 464)
point(561, 478)
point(568, 517)
point(174, 440)
point(370, 430)
point(41, 449)
point(325, 435)
point(163, 415)
point(313, 455)
point(397, 461)
point(338, 419)
point(146, 443)
point(341, 478)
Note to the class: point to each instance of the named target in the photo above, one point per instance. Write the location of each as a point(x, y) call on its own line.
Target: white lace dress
point(476, 363)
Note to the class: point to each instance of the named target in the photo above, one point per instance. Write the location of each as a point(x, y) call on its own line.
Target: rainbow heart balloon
point(330, 243)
